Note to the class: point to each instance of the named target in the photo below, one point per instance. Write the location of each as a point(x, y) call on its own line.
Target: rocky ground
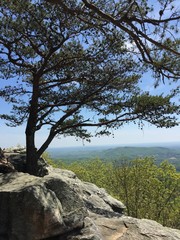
point(58, 206)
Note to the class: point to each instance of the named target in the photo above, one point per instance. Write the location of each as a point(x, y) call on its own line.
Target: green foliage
point(49, 160)
point(147, 190)
point(90, 171)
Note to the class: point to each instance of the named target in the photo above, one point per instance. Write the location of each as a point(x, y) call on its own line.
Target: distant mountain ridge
point(160, 153)
point(172, 154)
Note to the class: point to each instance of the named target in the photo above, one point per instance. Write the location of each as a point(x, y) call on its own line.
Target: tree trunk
point(31, 151)
point(31, 155)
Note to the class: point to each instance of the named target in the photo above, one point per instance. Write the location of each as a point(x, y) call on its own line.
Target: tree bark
point(31, 155)
point(31, 151)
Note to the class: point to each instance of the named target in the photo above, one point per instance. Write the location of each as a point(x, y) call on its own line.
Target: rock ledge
point(59, 206)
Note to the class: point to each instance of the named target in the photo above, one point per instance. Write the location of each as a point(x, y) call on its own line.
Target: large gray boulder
point(95, 199)
point(37, 208)
point(59, 206)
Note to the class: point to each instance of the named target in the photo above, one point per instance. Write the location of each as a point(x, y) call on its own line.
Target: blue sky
point(129, 134)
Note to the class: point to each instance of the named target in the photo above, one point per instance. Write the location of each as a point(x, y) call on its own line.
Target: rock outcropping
point(37, 208)
point(59, 206)
point(5, 165)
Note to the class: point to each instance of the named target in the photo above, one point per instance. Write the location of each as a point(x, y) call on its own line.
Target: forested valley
point(118, 153)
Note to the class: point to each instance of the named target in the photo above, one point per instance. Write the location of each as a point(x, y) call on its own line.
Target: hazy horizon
point(153, 144)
